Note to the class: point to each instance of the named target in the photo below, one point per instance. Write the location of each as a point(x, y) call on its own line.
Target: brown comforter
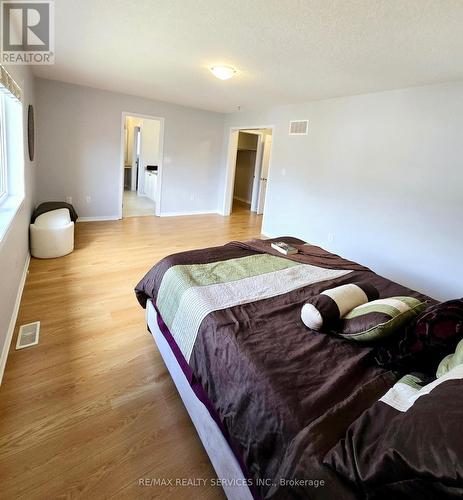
point(286, 395)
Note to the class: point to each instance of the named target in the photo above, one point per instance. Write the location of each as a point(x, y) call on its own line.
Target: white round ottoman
point(52, 234)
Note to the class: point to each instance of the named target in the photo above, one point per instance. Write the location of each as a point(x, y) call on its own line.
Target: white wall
point(79, 144)
point(150, 142)
point(382, 173)
point(14, 247)
point(150, 131)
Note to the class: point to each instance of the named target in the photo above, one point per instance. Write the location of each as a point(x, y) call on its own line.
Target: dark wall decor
point(30, 131)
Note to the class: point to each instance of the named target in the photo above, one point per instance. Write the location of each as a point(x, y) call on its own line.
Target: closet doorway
point(247, 170)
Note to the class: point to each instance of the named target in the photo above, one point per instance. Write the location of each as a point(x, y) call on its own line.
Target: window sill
point(8, 210)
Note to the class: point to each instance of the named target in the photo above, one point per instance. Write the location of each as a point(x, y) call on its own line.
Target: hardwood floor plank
point(92, 409)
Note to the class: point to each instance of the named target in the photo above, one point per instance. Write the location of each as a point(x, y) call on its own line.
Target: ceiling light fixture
point(223, 72)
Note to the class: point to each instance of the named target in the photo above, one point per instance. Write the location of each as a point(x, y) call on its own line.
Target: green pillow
point(451, 361)
point(379, 318)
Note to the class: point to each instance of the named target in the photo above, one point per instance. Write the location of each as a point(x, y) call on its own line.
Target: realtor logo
point(27, 32)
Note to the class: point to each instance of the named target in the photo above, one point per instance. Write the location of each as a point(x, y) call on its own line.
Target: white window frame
point(3, 156)
point(12, 159)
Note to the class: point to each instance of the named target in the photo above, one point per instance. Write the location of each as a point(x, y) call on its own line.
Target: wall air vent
point(299, 127)
point(28, 335)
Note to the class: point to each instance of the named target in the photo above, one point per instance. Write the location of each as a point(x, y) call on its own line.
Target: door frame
point(267, 143)
point(257, 170)
point(161, 121)
point(230, 169)
point(134, 181)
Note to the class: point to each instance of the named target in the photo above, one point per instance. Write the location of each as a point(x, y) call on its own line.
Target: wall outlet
point(283, 172)
point(330, 237)
point(192, 196)
point(88, 199)
point(69, 199)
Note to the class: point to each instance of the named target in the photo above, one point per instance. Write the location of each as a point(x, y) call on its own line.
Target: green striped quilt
point(188, 293)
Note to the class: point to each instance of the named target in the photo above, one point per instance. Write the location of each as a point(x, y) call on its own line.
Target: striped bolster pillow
point(379, 318)
point(331, 305)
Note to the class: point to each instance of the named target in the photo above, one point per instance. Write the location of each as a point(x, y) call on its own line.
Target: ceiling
point(286, 51)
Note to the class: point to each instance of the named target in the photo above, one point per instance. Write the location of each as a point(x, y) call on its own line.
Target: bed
point(268, 397)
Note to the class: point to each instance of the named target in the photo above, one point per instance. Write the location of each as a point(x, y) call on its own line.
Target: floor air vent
point(28, 335)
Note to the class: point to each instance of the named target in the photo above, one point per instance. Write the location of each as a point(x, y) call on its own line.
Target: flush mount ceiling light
point(223, 72)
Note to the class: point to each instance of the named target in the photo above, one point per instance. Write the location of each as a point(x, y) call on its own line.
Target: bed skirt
point(223, 459)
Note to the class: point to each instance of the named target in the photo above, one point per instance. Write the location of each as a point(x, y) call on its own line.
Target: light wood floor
point(92, 408)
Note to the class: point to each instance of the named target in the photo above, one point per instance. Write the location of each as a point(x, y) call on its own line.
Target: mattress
point(228, 469)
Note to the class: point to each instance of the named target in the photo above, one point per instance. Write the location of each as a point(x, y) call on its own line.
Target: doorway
point(141, 151)
point(247, 170)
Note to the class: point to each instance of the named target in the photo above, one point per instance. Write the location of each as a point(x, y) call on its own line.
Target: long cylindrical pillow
point(331, 305)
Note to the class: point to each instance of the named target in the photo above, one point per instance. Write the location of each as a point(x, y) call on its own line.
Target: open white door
point(267, 147)
point(257, 172)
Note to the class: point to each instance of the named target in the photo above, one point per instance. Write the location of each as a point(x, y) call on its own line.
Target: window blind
point(8, 85)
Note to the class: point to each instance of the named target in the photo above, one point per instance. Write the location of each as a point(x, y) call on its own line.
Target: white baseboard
point(198, 212)
point(100, 218)
point(163, 214)
point(14, 317)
